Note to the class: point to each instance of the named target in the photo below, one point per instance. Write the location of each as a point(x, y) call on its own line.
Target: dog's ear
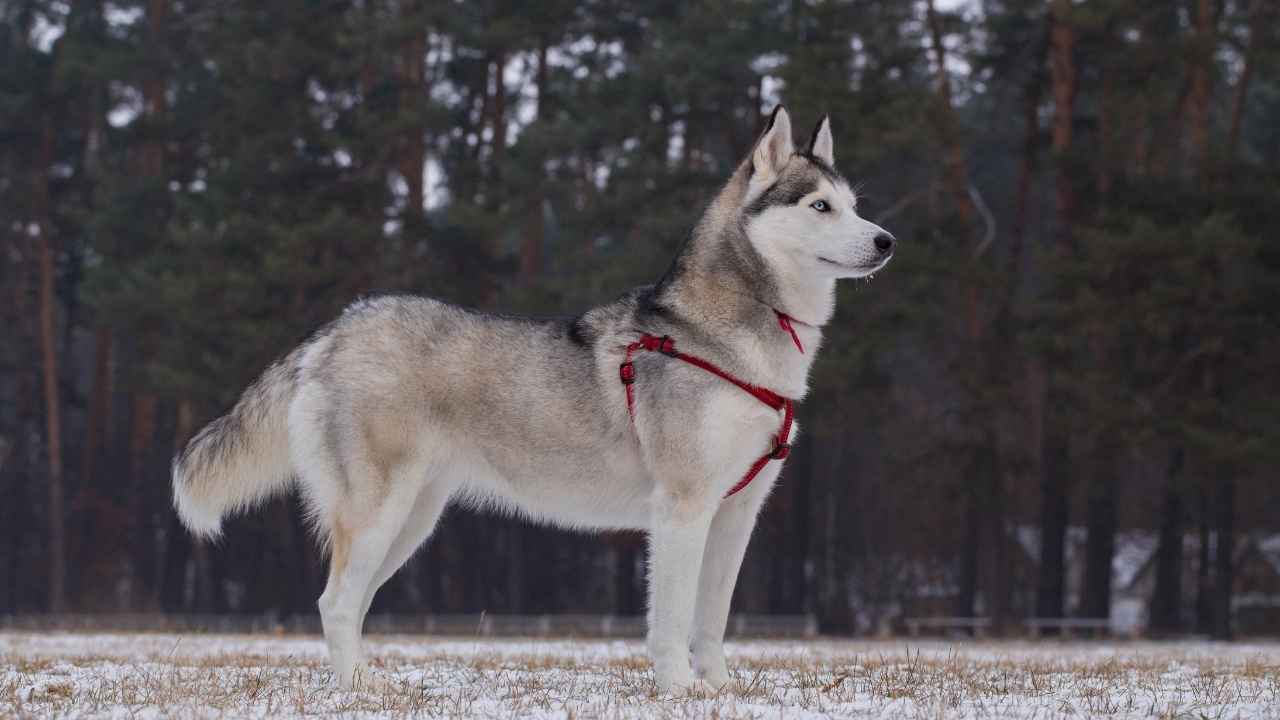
point(821, 145)
point(774, 148)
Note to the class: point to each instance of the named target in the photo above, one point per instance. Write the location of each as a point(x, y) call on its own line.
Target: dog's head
point(801, 215)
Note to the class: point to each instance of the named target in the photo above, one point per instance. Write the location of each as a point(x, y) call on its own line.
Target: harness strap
point(667, 346)
point(784, 320)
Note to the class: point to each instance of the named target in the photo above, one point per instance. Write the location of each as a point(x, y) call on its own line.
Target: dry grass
point(216, 676)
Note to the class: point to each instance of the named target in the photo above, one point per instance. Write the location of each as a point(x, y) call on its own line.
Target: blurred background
point(1057, 402)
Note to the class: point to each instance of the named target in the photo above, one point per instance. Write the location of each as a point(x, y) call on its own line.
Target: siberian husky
point(646, 413)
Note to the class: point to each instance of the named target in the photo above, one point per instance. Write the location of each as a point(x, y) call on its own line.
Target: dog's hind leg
point(422, 520)
point(726, 544)
point(362, 535)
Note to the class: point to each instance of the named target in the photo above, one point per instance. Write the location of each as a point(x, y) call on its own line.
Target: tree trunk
point(531, 245)
point(413, 162)
point(99, 404)
point(144, 406)
point(1199, 93)
point(18, 497)
point(971, 549)
point(19, 471)
point(481, 97)
point(835, 617)
point(627, 601)
point(514, 576)
point(153, 88)
point(1101, 508)
point(1241, 93)
point(980, 481)
point(170, 588)
point(798, 531)
point(1063, 76)
point(953, 149)
point(89, 496)
point(498, 144)
point(1106, 144)
point(53, 427)
point(1226, 531)
point(984, 525)
point(1005, 330)
point(49, 366)
point(1166, 602)
point(1026, 176)
point(141, 439)
point(1055, 517)
point(1055, 508)
point(1204, 578)
point(1101, 542)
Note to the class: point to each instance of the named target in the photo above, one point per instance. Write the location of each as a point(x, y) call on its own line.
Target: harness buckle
point(667, 346)
point(780, 450)
point(627, 372)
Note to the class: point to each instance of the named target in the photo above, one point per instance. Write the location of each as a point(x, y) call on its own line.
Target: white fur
point(812, 249)
point(823, 144)
point(774, 150)
point(376, 464)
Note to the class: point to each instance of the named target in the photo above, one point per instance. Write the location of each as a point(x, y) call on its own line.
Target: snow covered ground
point(158, 675)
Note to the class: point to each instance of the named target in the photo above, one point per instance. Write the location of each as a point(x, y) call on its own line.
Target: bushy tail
point(240, 459)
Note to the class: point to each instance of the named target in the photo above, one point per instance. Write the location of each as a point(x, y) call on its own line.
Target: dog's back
point(404, 403)
point(510, 410)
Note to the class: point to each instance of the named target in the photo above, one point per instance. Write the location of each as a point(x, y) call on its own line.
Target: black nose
point(884, 242)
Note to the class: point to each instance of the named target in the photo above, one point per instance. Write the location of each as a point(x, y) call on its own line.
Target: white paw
point(673, 677)
point(677, 679)
point(690, 687)
point(709, 664)
point(716, 675)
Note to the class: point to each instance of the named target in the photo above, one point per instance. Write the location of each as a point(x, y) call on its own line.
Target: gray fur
point(404, 403)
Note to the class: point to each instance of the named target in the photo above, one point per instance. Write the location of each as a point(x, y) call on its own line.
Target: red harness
point(667, 346)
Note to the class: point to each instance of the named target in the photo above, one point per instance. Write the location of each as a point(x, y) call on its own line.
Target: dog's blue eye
point(820, 205)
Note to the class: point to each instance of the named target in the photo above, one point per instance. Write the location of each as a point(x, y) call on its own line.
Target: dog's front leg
point(678, 535)
point(726, 544)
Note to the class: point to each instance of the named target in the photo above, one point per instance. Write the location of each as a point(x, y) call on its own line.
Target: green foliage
point(1163, 320)
point(223, 178)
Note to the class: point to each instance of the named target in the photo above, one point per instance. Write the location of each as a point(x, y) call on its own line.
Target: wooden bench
point(977, 625)
point(1093, 627)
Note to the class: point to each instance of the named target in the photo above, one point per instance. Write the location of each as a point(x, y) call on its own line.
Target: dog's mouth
point(862, 267)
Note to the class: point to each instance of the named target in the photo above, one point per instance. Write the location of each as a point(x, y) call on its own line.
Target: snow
point(1132, 553)
point(163, 675)
point(1270, 548)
